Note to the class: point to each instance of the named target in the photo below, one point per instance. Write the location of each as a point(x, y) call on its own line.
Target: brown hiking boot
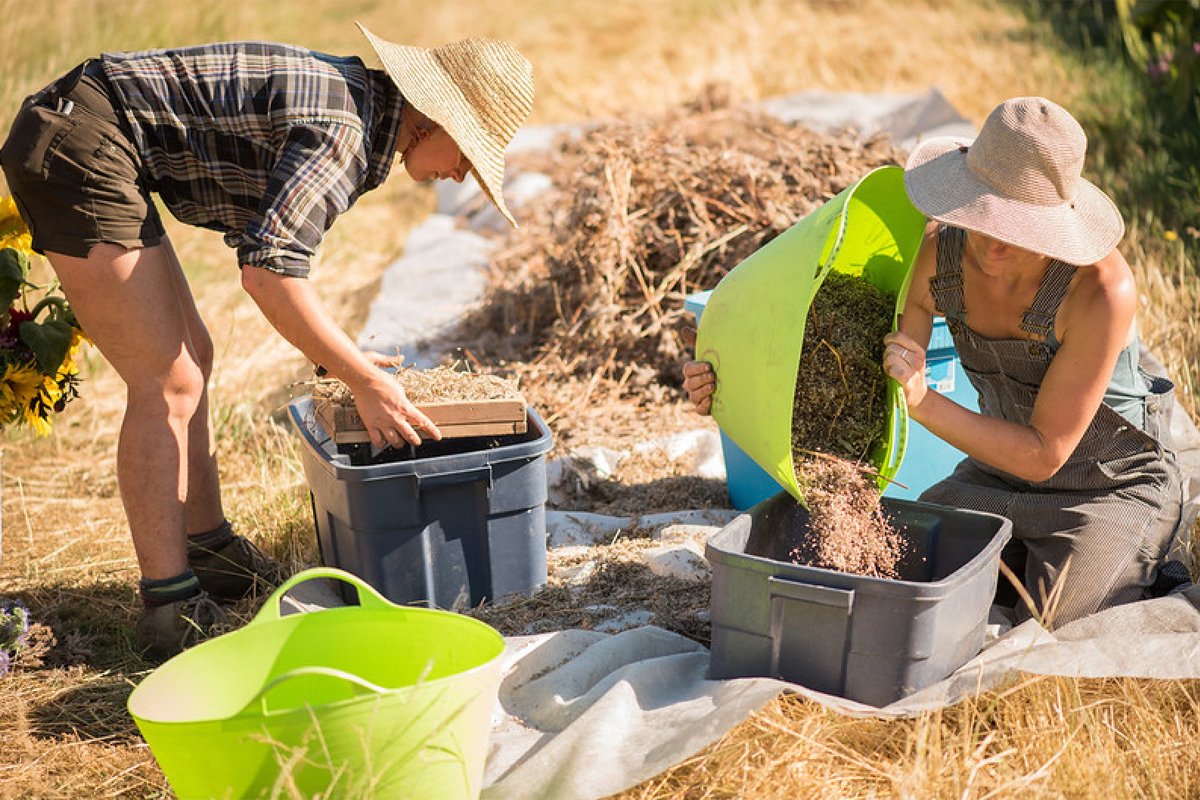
point(234, 569)
point(169, 629)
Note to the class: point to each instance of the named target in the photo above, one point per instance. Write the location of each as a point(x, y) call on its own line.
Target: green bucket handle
point(258, 703)
point(368, 596)
point(897, 443)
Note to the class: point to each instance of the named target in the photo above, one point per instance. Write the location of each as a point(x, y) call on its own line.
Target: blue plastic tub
point(927, 458)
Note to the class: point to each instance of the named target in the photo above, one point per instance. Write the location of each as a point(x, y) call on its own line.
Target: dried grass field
point(64, 731)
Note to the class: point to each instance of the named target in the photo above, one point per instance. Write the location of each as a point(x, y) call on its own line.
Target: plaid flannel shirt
point(264, 142)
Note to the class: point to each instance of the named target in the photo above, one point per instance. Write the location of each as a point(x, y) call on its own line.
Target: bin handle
point(898, 442)
point(260, 697)
point(368, 596)
point(473, 475)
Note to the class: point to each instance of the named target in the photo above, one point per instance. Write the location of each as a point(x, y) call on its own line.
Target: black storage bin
point(462, 522)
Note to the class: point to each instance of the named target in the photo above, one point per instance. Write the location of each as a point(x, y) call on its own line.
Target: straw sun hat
point(478, 90)
point(1018, 182)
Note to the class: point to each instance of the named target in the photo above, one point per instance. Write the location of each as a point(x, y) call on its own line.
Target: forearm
point(1019, 450)
point(293, 308)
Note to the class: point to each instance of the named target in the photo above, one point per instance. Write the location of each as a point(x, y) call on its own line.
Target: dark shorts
point(73, 171)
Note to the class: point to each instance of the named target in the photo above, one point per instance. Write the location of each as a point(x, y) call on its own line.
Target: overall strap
point(946, 285)
point(1039, 318)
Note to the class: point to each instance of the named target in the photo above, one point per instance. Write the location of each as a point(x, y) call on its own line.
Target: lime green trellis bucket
point(368, 701)
point(753, 324)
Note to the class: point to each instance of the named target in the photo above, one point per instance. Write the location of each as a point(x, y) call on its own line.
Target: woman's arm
point(1094, 322)
point(293, 308)
point(904, 350)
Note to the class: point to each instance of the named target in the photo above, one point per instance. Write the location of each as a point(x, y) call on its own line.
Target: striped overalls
point(1113, 508)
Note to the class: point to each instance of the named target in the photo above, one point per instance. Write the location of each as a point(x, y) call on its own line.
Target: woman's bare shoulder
point(1101, 294)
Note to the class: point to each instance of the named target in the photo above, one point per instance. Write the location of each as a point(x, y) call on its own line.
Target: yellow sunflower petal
point(41, 425)
point(23, 381)
point(13, 230)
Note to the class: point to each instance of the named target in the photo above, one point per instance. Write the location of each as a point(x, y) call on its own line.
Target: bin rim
point(713, 551)
point(269, 615)
point(304, 422)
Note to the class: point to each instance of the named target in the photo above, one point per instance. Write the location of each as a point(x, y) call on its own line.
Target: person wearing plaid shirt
point(268, 144)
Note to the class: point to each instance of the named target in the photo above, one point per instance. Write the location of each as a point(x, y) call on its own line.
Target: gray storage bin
point(874, 640)
point(462, 522)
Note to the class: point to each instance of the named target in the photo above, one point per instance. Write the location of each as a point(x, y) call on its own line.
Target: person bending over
point(267, 143)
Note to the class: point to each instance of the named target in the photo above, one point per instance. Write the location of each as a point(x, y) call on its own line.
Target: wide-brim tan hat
point(479, 90)
point(1019, 181)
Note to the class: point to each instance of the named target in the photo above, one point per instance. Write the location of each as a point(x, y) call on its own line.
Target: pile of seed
point(846, 528)
point(839, 418)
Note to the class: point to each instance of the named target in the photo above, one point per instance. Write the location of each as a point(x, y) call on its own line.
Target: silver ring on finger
point(904, 354)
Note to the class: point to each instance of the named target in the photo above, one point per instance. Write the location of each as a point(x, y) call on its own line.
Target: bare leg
point(128, 302)
point(202, 505)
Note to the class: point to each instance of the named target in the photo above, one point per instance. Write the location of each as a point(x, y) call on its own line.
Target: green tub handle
point(258, 703)
point(368, 596)
point(898, 441)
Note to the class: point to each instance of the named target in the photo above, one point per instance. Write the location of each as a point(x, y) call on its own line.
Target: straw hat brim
point(1078, 232)
point(426, 86)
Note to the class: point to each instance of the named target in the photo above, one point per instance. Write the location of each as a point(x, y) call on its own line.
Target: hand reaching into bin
point(388, 415)
point(395, 418)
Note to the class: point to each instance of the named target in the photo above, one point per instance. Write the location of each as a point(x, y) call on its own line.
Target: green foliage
point(1164, 36)
point(1140, 108)
point(50, 341)
point(47, 340)
point(14, 270)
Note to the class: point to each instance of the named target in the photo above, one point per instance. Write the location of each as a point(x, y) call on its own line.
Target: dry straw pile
point(642, 214)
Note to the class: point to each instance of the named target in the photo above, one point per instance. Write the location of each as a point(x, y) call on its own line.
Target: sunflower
point(19, 385)
point(35, 418)
point(13, 230)
point(27, 396)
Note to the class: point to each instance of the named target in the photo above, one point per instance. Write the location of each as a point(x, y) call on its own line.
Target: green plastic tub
point(752, 330)
point(373, 700)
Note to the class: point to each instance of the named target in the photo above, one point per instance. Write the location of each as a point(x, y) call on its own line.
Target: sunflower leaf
point(14, 269)
point(49, 342)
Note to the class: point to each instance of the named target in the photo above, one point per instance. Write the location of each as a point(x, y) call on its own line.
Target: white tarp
point(584, 715)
